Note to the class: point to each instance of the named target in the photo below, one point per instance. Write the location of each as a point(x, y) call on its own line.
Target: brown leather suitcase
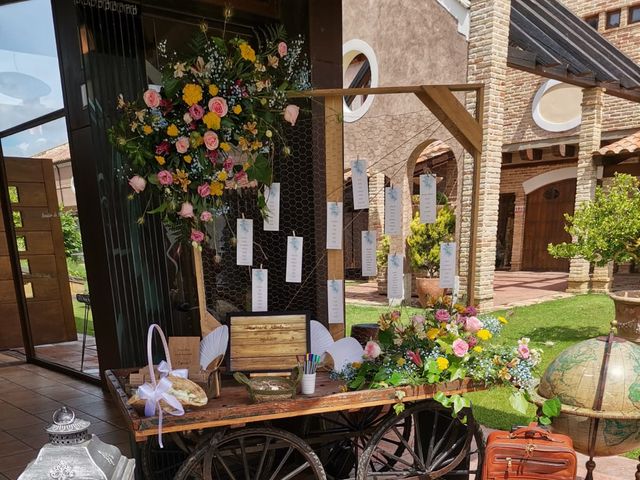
point(529, 453)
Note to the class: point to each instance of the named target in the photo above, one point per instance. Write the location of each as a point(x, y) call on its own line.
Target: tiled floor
point(28, 397)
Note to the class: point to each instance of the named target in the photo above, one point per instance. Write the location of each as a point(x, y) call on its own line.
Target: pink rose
point(282, 49)
point(523, 350)
point(471, 310)
point(473, 324)
point(218, 105)
point(291, 113)
point(137, 183)
point(182, 144)
point(204, 190)
point(197, 236)
point(163, 148)
point(460, 347)
point(442, 315)
point(196, 111)
point(187, 118)
point(472, 341)
point(227, 164)
point(417, 320)
point(241, 178)
point(186, 211)
point(211, 140)
point(372, 350)
point(165, 177)
point(206, 216)
point(151, 98)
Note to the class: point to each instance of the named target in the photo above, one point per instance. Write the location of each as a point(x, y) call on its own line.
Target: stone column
point(518, 231)
point(586, 178)
point(488, 47)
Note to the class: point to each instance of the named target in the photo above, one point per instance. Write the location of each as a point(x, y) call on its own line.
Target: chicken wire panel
point(228, 286)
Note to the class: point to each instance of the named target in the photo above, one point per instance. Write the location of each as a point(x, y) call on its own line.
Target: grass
point(78, 313)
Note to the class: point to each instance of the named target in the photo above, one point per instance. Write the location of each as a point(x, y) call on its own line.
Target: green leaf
point(519, 402)
point(457, 373)
point(398, 408)
point(552, 407)
point(385, 337)
point(544, 420)
point(395, 379)
point(260, 170)
point(442, 399)
point(458, 403)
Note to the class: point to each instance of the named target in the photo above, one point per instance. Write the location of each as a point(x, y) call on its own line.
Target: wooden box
point(266, 342)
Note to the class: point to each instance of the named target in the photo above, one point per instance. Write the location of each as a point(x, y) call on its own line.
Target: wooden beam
point(453, 116)
point(630, 168)
point(330, 92)
point(334, 176)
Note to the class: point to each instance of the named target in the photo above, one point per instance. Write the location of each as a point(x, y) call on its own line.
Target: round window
point(557, 106)
point(360, 70)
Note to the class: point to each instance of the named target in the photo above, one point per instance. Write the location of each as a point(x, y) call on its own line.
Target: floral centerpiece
point(446, 343)
point(212, 126)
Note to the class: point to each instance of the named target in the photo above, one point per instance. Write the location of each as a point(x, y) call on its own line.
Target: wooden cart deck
point(234, 408)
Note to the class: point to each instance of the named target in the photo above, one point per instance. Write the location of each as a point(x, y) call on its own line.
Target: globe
point(573, 378)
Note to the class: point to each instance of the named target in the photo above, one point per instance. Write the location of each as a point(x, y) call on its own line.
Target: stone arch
point(546, 178)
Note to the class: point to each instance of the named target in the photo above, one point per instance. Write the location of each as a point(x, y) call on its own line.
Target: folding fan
point(213, 345)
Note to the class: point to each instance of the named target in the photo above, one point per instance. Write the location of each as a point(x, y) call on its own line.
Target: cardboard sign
point(184, 352)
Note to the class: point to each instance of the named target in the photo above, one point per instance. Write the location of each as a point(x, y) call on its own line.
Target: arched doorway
point(544, 224)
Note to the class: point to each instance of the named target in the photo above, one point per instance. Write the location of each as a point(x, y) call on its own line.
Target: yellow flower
point(255, 145)
point(237, 109)
point(356, 364)
point(400, 362)
point(160, 160)
point(503, 320)
point(216, 188)
point(243, 144)
point(191, 93)
point(443, 363)
point(172, 130)
point(223, 175)
point(147, 130)
point(251, 127)
point(182, 177)
point(477, 349)
point(211, 120)
point(432, 333)
point(246, 166)
point(187, 158)
point(225, 146)
point(247, 52)
point(484, 334)
point(213, 90)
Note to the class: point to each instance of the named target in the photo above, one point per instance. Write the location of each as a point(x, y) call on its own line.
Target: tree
point(70, 233)
point(608, 227)
point(424, 240)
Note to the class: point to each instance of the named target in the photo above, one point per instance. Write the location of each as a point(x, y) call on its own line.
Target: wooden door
point(39, 236)
point(544, 224)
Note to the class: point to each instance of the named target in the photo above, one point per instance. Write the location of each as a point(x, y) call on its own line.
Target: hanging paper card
point(447, 265)
point(259, 289)
point(395, 276)
point(369, 246)
point(272, 197)
point(244, 242)
point(335, 301)
point(334, 225)
point(392, 211)
point(359, 184)
point(428, 198)
point(294, 259)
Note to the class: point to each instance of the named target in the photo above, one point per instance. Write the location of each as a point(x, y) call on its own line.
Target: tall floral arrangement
point(213, 125)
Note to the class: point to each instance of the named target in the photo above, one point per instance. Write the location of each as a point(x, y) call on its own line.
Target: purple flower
point(471, 311)
point(442, 315)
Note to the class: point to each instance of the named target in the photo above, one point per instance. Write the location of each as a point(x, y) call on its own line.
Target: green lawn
point(78, 313)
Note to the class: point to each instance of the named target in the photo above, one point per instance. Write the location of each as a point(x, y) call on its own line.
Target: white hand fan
point(344, 352)
point(214, 345)
point(321, 339)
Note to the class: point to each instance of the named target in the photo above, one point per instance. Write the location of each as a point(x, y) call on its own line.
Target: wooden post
point(334, 175)
point(208, 322)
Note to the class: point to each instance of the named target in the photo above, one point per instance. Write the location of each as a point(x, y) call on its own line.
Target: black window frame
point(609, 26)
point(630, 11)
point(589, 18)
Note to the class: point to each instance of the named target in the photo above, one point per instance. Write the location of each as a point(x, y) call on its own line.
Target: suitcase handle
point(531, 430)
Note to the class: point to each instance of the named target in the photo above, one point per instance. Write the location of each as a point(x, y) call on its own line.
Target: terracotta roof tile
point(57, 154)
point(628, 144)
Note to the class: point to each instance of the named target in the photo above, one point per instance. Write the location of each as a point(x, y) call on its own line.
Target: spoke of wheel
point(244, 459)
point(432, 439)
point(442, 457)
point(267, 442)
point(290, 475)
point(226, 468)
point(445, 436)
point(396, 458)
point(409, 448)
point(282, 463)
point(418, 441)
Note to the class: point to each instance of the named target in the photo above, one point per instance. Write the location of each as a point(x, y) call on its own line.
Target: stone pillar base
point(601, 285)
point(578, 286)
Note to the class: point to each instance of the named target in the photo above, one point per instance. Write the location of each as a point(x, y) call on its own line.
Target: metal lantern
point(72, 453)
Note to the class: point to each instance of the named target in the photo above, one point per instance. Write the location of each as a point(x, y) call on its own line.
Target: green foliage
point(76, 269)
point(606, 228)
point(550, 409)
point(384, 247)
point(71, 233)
point(424, 240)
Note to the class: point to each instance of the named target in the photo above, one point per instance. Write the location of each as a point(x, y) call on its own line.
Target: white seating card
point(259, 289)
point(334, 225)
point(395, 276)
point(335, 301)
point(294, 259)
point(272, 197)
point(447, 265)
point(244, 242)
point(392, 211)
point(369, 247)
point(360, 184)
point(428, 198)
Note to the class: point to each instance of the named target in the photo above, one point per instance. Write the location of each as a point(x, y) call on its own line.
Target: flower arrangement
point(212, 126)
point(446, 343)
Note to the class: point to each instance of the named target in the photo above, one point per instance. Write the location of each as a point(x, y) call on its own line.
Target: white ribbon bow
point(152, 396)
point(165, 370)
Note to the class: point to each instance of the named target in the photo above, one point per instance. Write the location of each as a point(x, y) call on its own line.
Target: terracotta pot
point(627, 304)
point(428, 287)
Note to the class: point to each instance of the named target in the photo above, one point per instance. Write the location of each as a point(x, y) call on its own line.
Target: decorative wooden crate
point(266, 342)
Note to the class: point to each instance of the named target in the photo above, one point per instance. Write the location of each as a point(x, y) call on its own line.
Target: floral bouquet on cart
point(446, 343)
point(213, 125)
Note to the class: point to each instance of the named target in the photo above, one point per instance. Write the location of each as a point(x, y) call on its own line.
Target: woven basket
point(269, 389)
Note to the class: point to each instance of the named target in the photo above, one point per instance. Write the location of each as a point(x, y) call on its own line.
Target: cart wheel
point(163, 463)
point(253, 453)
point(438, 445)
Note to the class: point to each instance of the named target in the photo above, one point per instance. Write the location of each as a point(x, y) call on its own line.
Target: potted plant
point(607, 229)
point(424, 251)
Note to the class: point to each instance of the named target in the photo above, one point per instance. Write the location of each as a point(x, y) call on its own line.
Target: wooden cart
point(329, 435)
